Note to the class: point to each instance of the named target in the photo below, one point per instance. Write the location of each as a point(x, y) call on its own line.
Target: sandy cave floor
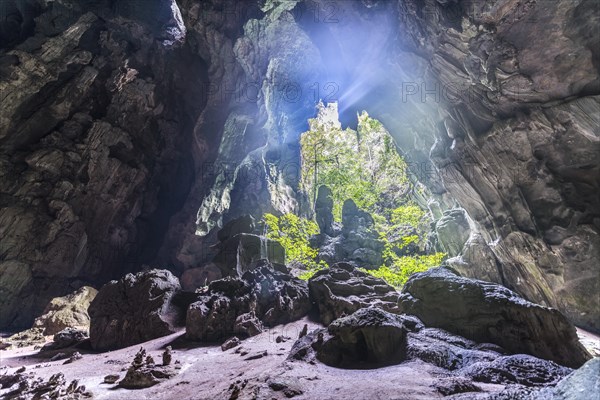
point(208, 373)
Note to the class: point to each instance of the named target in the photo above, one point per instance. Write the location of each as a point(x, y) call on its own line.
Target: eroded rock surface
point(94, 154)
point(372, 337)
point(487, 312)
point(367, 338)
point(135, 309)
point(356, 242)
point(241, 305)
point(108, 126)
point(66, 338)
point(577, 386)
point(342, 289)
point(24, 386)
point(70, 311)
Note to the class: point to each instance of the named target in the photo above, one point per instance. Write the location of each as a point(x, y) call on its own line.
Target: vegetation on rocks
point(365, 166)
point(293, 232)
point(361, 165)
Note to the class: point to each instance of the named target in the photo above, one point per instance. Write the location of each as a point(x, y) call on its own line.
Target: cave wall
point(129, 127)
point(94, 145)
point(519, 147)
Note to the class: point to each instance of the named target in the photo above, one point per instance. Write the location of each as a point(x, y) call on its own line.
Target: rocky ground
point(257, 368)
point(262, 333)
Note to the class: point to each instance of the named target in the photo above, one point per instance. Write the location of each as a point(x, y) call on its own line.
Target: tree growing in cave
point(361, 165)
point(365, 166)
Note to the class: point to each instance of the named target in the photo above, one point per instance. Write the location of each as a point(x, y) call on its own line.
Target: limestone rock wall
point(94, 152)
point(519, 146)
point(128, 127)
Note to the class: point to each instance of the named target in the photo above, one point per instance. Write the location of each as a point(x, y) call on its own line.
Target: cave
point(167, 230)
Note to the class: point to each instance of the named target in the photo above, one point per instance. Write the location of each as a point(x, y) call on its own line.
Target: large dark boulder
point(368, 338)
point(241, 253)
point(135, 309)
point(521, 369)
point(487, 312)
point(241, 305)
point(372, 338)
point(342, 289)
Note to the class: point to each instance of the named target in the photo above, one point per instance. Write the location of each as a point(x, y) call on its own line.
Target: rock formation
point(324, 210)
point(92, 160)
point(342, 289)
point(66, 318)
point(70, 311)
point(127, 130)
point(66, 338)
point(144, 372)
point(517, 144)
point(577, 386)
point(355, 240)
point(453, 231)
point(484, 311)
point(372, 337)
point(243, 251)
point(240, 306)
point(135, 309)
point(28, 388)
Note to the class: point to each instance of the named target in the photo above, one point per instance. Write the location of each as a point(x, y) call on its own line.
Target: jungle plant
point(293, 233)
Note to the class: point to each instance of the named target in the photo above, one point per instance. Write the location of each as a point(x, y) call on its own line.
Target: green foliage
point(293, 233)
point(310, 273)
point(409, 214)
point(361, 165)
point(403, 267)
point(365, 166)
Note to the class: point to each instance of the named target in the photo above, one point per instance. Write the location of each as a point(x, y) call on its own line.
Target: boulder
point(342, 289)
point(487, 312)
point(241, 305)
point(67, 338)
point(230, 343)
point(480, 362)
point(520, 369)
point(454, 385)
point(144, 372)
point(368, 338)
point(70, 311)
point(241, 252)
point(137, 308)
point(448, 351)
point(577, 386)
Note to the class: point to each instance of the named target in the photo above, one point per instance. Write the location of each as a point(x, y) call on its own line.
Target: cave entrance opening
point(359, 203)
